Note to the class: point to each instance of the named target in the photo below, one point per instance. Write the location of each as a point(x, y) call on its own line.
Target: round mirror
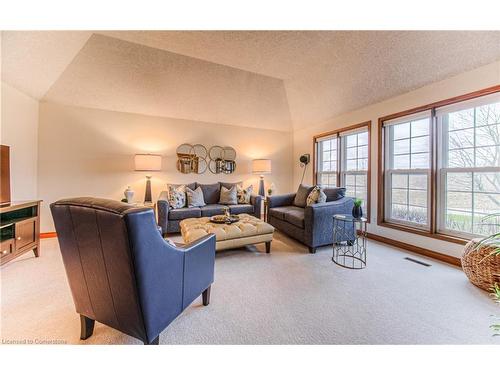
point(213, 166)
point(216, 152)
point(184, 149)
point(229, 153)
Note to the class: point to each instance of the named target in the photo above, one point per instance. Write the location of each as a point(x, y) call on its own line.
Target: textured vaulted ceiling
point(113, 74)
point(268, 79)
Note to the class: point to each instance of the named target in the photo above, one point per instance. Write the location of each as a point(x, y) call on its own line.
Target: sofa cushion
point(291, 214)
point(212, 209)
point(295, 216)
point(228, 196)
point(184, 213)
point(333, 194)
point(211, 193)
point(279, 212)
point(300, 199)
point(241, 209)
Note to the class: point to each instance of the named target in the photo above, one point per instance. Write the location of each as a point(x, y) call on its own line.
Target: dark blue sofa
point(312, 225)
point(170, 218)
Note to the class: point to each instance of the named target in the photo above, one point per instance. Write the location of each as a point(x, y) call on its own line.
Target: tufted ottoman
point(248, 231)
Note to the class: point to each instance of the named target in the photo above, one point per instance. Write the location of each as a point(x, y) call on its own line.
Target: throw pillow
point(210, 192)
point(317, 195)
point(177, 196)
point(195, 197)
point(300, 199)
point(228, 196)
point(333, 194)
point(244, 194)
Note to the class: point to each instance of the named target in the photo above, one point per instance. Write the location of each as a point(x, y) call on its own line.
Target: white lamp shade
point(147, 162)
point(261, 166)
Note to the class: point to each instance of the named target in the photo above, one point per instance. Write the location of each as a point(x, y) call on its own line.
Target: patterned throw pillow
point(228, 196)
point(317, 195)
point(177, 196)
point(195, 197)
point(244, 194)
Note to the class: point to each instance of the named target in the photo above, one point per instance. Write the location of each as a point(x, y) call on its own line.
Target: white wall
point(19, 130)
point(477, 79)
point(89, 152)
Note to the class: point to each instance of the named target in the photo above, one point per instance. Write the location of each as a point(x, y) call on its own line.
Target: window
point(440, 171)
point(408, 170)
point(342, 159)
point(327, 162)
point(469, 166)
point(354, 164)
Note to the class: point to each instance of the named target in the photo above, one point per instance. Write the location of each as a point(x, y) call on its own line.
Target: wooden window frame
point(336, 132)
point(432, 231)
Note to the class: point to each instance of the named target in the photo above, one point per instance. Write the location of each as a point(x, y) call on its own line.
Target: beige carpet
point(287, 297)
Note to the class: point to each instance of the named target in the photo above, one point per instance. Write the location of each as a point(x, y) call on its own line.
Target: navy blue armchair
point(121, 271)
point(312, 225)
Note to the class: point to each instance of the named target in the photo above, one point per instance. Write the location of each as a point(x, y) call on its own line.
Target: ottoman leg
point(268, 247)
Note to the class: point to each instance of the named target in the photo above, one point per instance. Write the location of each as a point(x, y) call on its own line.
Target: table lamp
point(147, 163)
point(262, 167)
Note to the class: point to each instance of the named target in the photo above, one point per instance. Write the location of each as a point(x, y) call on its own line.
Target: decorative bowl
point(223, 219)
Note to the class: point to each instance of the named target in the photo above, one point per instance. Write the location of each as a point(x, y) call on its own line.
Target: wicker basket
point(481, 269)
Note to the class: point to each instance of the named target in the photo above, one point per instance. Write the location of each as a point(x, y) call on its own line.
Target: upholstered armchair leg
point(206, 296)
point(268, 247)
point(312, 250)
point(87, 327)
point(155, 341)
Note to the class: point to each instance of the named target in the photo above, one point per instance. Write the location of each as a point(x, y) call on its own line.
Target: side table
point(350, 253)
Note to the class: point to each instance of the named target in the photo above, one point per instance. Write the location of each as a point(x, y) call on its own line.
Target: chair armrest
point(280, 200)
point(256, 202)
point(162, 206)
point(199, 261)
point(318, 219)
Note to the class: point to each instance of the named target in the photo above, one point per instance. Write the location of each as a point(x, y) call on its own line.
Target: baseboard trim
point(415, 249)
point(403, 245)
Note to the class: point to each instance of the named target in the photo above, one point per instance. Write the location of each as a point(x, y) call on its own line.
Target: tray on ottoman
point(249, 230)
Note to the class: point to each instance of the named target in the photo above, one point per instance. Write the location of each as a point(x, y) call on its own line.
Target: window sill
point(421, 232)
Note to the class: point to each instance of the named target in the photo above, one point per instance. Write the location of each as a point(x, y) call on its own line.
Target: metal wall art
point(196, 159)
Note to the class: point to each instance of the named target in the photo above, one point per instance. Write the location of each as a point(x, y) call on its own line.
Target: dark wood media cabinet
point(19, 229)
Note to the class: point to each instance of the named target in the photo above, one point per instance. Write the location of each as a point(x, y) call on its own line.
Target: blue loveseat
point(312, 225)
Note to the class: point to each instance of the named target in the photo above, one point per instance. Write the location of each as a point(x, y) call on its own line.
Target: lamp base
point(147, 195)
point(261, 186)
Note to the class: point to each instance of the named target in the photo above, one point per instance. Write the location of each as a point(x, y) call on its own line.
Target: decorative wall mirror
point(192, 158)
point(196, 159)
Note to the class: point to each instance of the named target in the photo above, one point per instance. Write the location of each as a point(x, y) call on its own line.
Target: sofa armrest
point(163, 206)
point(318, 220)
point(256, 202)
point(280, 200)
